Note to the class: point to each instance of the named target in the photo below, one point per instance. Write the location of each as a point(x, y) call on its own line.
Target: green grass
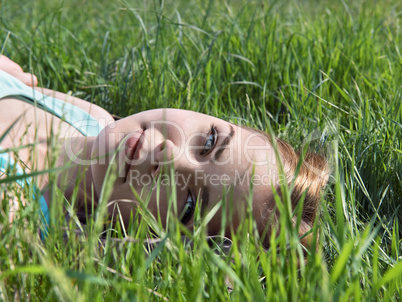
point(332, 68)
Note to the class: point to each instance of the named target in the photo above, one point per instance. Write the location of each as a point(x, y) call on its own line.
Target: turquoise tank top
point(76, 117)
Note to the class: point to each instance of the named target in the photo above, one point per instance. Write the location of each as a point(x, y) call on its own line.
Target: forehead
point(247, 148)
point(251, 165)
point(249, 160)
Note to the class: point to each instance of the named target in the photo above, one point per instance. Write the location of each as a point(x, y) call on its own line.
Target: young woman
point(211, 158)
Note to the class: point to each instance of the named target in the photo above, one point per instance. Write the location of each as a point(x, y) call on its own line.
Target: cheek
point(160, 202)
point(156, 206)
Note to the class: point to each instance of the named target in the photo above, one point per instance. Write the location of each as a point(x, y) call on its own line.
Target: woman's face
point(210, 157)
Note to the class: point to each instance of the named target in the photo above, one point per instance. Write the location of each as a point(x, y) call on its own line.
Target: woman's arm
point(16, 71)
point(12, 68)
point(101, 115)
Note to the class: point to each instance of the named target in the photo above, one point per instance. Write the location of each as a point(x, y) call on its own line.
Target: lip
point(132, 146)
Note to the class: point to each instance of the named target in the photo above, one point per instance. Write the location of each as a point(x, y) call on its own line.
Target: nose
point(163, 157)
point(165, 152)
point(168, 155)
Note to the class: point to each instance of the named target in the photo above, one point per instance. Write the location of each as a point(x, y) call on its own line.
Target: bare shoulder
point(103, 117)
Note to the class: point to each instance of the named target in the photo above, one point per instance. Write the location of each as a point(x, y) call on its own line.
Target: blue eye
point(210, 141)
point(188, 210)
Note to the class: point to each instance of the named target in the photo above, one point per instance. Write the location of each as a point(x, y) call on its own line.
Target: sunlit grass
point(328, 69)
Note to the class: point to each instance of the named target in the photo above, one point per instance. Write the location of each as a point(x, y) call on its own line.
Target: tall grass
point(322, 73)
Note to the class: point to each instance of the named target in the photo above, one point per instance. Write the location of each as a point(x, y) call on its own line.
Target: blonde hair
point(310, 180)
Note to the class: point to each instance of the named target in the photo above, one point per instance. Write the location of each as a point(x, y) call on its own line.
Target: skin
point(34, 126)
point(177, 140)
point(168, 138)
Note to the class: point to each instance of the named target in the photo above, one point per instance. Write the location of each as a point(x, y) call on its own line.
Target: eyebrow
point(225, 142)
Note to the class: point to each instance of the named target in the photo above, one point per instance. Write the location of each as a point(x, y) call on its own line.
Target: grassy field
point(325, 73)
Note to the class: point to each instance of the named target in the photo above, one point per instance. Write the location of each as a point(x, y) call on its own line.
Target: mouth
point(132, 146)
